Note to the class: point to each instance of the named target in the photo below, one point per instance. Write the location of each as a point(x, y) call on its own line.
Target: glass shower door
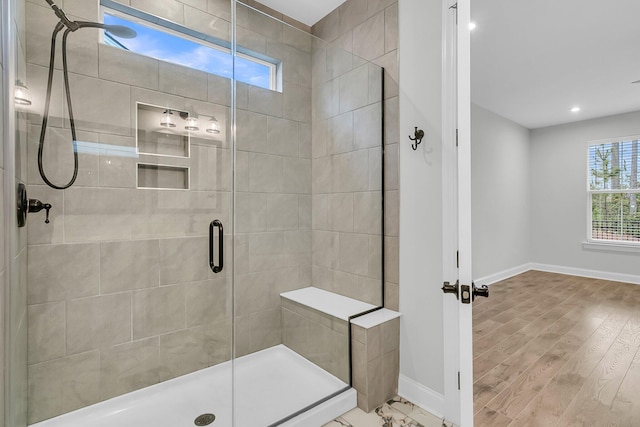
point(308, 215)
point(121, 294)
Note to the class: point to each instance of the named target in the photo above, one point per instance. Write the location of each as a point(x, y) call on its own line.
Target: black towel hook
point(417, 137)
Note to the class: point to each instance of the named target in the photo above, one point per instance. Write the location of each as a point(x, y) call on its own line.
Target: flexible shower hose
point(45, 115)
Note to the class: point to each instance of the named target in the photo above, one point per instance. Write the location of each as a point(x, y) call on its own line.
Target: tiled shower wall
point(346, 132)
point(120, 292)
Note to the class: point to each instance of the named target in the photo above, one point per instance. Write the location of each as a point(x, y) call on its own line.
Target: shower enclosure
point(206, 189)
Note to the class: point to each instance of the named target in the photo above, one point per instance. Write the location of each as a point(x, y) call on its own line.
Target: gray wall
point(501, 202)
point(421, 300)
point(559, 198)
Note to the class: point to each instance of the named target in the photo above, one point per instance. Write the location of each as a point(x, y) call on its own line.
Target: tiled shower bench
point(315, 324)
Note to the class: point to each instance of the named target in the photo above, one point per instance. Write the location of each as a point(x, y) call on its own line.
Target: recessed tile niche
point(162, 137)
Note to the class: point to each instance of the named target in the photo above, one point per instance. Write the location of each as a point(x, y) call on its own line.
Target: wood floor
point(557, 350)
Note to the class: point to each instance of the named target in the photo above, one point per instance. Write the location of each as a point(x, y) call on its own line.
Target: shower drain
point(204, 419)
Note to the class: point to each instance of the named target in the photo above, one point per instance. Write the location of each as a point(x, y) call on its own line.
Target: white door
point(457, 241)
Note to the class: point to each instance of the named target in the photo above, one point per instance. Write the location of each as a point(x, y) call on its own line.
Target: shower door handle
point(216, 268)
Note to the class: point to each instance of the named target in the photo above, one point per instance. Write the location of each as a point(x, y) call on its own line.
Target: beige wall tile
point(219, 89)
point(282, 212)
point(221, 8)
point(158, 311)
point(369, 37)
point(328, 27)
point(351, 250)
point(122, 66)
point(322, 175)
point(49, 282)
point(391, 28)
point(367, 122)
point(341, 212)
point(251, 129)
point(354, 89)
point(62, 385)
point(297, 176)
point(207, 302)
point(266, 329)
point(96, 322)
point(110, 115)
point(297, 103)
point(128, 367)
point(183, 81)
point(251, 212)
point(342, 133)
point(98, 214)
point(46, 332)
point(173, 10)
point(265, 101)
point(282, 137)
point(352, 13)
point(265, 173)
point(206, 23)
point(129, 265)
point(391, 259)
point(182, 352)
point(304, 212)
point(184, 260)
point(367, 210)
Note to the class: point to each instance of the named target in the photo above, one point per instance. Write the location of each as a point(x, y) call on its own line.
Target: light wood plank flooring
point(557, 350)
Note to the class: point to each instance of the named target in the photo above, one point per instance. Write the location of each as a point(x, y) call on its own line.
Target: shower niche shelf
point(160, 131)
point(162, 177)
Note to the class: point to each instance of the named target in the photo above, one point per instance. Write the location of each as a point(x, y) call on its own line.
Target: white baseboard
point(422, 396)
point(503, 275)
point(583, 272)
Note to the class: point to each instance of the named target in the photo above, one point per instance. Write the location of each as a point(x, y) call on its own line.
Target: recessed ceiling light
point(472, 26)
point(575, 109)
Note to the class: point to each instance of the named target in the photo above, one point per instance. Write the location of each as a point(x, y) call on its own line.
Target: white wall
point(559, 198)
point(421, 338)
point(500, 193)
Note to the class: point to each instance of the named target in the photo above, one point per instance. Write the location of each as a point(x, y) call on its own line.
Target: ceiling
point(306, 11)
point(532, 61)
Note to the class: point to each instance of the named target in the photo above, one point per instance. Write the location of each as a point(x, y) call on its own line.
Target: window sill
point(611, 247)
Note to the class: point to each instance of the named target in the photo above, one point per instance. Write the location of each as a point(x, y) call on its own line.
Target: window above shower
point(167, 41)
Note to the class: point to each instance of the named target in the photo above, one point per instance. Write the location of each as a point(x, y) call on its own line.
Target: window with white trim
point(614, 192)
point(171, 42)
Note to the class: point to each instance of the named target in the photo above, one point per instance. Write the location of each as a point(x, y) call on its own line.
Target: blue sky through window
point(171, 48)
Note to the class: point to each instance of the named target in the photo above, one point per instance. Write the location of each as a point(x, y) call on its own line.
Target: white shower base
point(269, 386)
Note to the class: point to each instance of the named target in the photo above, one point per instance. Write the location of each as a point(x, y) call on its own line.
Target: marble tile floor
point(397, 412)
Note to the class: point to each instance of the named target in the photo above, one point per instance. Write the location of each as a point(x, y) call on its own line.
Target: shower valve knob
point(36, 206)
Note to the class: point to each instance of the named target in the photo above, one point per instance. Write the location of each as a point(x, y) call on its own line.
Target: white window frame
point(603, 244)
point(274, 65)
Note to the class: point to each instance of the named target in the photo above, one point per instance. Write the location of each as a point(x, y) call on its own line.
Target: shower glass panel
point(308, 217)
point(210, 213)
point(120, 293)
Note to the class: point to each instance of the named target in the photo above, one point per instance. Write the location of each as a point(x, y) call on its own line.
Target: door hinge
point(457, 259)
point(456, 137)
point(458, 380)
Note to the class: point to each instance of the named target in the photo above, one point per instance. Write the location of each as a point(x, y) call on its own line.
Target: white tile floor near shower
point(397, 412)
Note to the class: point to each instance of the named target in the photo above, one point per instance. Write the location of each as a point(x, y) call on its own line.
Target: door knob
point(482, 291)
point(448, 288)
